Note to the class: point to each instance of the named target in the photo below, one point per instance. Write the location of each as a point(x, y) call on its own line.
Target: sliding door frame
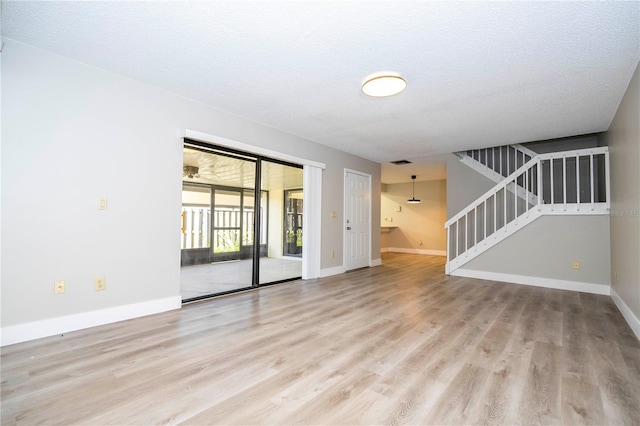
point(257, 159)
point(312, 183)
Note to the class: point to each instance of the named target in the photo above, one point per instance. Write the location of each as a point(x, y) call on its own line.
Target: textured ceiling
point(479, 73)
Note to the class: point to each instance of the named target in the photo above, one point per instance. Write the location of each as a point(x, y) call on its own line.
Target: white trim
point(482, 169)
point(229, 143)
point(375, 262)
point(68, 323)
point(413, 251)
point(336, 270)
point(535, 281)
point(524, 149)
point(311, 226)
point(344, 213)
point(626, 312)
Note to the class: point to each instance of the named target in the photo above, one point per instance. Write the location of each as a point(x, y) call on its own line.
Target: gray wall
point(563, 144)
point(464, 185)
point(623, 139)
point(72, 133)
point(547, 248)
point(415, 222)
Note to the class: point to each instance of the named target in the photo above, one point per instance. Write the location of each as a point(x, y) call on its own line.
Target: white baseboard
point(336, 270)
point(535, 281)
point(627, 313)
point(68, 323)
point(413, 251)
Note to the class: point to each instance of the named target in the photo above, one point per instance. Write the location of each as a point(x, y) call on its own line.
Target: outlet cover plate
point(99, 284)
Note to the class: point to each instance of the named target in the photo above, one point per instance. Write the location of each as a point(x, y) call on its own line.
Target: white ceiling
point(479, 73)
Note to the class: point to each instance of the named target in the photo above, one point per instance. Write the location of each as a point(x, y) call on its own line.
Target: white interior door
point(357, 220)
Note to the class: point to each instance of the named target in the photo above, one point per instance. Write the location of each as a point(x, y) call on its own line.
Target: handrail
point(500, 160)
point(532, 190)
point(526, 150)
point(507, 180)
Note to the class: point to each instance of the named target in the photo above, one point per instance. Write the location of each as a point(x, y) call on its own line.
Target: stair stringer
point(497, 177)
point(493, 239)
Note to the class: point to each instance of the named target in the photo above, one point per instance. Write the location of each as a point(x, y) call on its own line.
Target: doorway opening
point(221, 217)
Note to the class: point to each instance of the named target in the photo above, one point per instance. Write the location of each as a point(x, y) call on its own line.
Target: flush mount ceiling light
point(413, 199)
point(380, 85)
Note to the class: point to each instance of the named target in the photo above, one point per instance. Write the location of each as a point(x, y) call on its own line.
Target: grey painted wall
point(464, 185)
point(564, 144)
point(415, 222)
point(72, 133)
point(547, 248)
point(623, 139)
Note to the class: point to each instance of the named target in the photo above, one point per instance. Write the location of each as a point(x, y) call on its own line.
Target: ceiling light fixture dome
point(383, 84)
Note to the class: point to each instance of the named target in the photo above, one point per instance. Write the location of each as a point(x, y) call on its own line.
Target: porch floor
point(211, 278)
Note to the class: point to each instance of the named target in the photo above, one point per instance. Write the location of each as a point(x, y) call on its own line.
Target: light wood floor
point(396, 344)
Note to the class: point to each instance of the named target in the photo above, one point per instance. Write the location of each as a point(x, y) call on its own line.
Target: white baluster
point(539, 185)
point(486, 220)
point(578, 181)
point(526, 192)
point(608, 181)
point(592, 181)
point(448, 243)
point(564, 180)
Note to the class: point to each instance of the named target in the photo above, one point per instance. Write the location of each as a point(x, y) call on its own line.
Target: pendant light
point(413, 199)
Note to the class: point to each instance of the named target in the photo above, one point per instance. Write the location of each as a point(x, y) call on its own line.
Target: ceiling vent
point(401, 162)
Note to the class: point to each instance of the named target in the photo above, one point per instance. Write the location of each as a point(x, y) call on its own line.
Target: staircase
point(498, 162)
point(529, 186)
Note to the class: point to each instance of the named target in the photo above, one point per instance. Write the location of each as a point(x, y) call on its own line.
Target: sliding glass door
point(277, 264)
point(221, 217)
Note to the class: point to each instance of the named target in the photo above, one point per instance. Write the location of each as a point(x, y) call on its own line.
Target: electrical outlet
point(333, 254)
point(420, 243)
point(576, 265)
point(58, 287)
point(99, 284)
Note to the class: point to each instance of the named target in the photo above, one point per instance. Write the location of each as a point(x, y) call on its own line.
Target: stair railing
point(502, 160)
point(569, 182)
point(499, 162)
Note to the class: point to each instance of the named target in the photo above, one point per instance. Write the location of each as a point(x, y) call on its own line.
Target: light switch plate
point(102, 203)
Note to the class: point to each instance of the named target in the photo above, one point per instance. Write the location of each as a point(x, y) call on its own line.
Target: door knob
point(348, 228)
